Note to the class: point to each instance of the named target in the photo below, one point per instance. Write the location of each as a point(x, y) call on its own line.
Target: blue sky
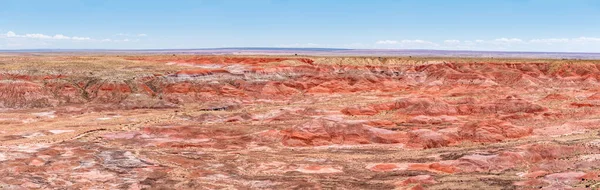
point(510, 25)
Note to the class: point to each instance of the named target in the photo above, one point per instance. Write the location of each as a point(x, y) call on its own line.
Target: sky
point(493, 25)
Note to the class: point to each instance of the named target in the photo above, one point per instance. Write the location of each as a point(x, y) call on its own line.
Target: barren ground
point(75, 121)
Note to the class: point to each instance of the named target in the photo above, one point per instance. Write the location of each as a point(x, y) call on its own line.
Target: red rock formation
point(492, 131)
point(429, 139)
point(23, 94)
point(199, 72)
point(254, 122)
point(220, 60)
point(555, 97)
point(320, 132)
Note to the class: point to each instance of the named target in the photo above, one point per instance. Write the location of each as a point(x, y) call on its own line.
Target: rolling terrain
point(156, 121)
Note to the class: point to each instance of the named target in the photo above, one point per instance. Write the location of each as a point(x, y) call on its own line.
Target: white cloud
point(131, 35)
point(566, 40)
point(37, 36)
point(314, 45)
point(12, 45)
point(14, 40)
point(353, 45)
point(508, 40)
point(299, 45)
point(404, 43)
point(80, 38)
point(586, 39)
point(387, 42)
point(115, 40)
point(550, 40)
point(417, 42)
point(451, 41)
point(11, 34)
point(60, 36)
point(579, 44)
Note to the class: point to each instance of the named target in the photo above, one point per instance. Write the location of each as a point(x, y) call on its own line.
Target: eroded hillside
point(269, 122)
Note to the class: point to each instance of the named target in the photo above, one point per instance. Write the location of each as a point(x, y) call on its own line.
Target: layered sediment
point(269, 122)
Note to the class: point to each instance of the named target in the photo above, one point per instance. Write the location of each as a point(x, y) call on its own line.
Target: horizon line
point(66, 50)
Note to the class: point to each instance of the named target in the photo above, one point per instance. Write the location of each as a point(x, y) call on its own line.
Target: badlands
point(150, 121)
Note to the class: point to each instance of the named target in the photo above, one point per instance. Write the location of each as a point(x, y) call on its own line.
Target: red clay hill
point(275, 122)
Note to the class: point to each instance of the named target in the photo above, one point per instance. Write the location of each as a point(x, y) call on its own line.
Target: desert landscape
point(173, 121)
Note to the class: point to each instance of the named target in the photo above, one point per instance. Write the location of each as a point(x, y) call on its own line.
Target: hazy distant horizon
point(281, 48)
point(331, 52)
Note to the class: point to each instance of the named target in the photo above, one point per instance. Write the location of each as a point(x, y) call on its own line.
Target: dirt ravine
point(74, 121)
